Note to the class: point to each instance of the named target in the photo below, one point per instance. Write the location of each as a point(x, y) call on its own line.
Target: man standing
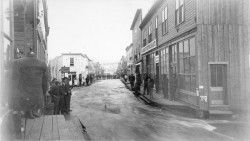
point(150, 86)
point(30, 84)
point(132, 81)
point(67, 94)
point(145, 83)
point(165, 85)
point(138, 82)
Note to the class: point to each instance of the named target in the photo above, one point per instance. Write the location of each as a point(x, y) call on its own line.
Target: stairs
point(220, 111)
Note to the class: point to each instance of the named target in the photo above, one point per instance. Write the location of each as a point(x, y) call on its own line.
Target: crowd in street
point(149, 83)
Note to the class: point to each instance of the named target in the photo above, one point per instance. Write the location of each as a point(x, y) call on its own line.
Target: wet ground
point(111, 112)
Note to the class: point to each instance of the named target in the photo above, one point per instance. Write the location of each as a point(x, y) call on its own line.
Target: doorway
point(218, 84)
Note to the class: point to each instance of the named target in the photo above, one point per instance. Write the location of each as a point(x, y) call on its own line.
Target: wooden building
point(205, 43)
point(31, 28)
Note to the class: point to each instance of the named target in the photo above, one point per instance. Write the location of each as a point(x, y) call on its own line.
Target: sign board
point(157, 59)
point(149, 46)
point(65, 70)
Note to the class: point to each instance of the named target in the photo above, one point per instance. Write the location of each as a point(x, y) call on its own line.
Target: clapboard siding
point(223, 36)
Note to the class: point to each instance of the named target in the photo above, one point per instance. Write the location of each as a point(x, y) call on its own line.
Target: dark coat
point(31, 82)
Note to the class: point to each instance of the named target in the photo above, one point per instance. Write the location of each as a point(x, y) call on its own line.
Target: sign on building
point(65, 70)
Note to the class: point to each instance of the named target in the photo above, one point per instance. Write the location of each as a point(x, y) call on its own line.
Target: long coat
point(30, 83)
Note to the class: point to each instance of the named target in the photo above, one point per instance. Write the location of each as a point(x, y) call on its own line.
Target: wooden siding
point(223, 36)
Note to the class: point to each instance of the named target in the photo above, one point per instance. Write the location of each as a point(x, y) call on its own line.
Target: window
point(179, 11)
point(164, 61)
point(216, 76)
point(71, 61)
point(187, 64)
point(144, 39)
point(149, 34)
point(164, 18)
point(156, 27)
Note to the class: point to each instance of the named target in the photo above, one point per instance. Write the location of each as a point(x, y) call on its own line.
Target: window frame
point(164, 20)
point(70, 62)
point(179, 12)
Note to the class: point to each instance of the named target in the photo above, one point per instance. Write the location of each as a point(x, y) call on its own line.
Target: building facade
point(206, 45)
point(129, 59)
point(76, 62)
point(136, 41)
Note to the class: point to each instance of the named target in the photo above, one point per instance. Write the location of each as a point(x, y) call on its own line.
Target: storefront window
point(187, 64)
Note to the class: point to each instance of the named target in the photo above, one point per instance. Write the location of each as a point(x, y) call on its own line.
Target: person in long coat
point(165, 85)
point(30, 84)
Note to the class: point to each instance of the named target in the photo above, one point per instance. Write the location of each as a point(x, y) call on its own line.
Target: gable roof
point(137, 14)
point(157, 4)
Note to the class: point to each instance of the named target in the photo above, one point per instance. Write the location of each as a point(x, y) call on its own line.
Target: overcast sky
point(98, 28)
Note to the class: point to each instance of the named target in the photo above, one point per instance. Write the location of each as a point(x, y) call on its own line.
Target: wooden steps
point(218, 111)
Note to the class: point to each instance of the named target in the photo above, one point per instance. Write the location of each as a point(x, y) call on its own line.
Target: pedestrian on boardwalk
point(174, 86)
point(157, 84)
point(138, 82)
point(90, 79)
point(62, 101)
point(75, 82)
point(31, 78)
point(145, 84)
point(150, 86)
point(55, 94)
point(67, 97)
point(165, 85)
point(132, 81)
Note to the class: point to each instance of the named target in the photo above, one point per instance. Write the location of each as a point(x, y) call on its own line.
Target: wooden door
point(218, 84)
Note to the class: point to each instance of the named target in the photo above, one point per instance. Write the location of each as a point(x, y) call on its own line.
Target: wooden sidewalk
point(52, 127)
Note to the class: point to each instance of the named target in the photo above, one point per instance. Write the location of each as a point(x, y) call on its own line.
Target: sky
point(98, 28)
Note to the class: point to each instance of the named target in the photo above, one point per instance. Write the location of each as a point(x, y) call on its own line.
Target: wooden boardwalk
point(52, 127)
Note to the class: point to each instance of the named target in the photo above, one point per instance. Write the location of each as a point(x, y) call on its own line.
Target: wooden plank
point(221, 44)
point(55, 131)
point(227, 59)
point(37, 128)
point(215, 43)
point(29, 127)
point(47, 128)
point(62, 127)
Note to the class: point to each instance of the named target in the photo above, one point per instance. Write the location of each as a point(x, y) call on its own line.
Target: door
point(218, 83)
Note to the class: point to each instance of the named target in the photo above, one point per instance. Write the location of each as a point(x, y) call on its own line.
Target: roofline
point(73, 54)
point(151, 12)
point(138, 12)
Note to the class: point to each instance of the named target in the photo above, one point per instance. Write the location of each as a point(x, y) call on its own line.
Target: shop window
point(187, 64)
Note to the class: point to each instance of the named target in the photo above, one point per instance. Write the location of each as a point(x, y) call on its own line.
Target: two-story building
point(206, 45)
point(76, 62)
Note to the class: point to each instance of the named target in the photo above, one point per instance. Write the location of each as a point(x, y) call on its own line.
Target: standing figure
point(138, 82)
point(31, 78)
point(62, 102)
point(165, 85)
point(150, 86)
point(174, 86)
point(80, 81)
point(132, 81)
point(156, 80)
point(87, 80)
point(125, 77)
point(55, 94)
point(145, 81)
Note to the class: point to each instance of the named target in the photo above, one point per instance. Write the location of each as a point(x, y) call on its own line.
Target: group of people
point(61, 96)
point(88, 80)
point(150, 82)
